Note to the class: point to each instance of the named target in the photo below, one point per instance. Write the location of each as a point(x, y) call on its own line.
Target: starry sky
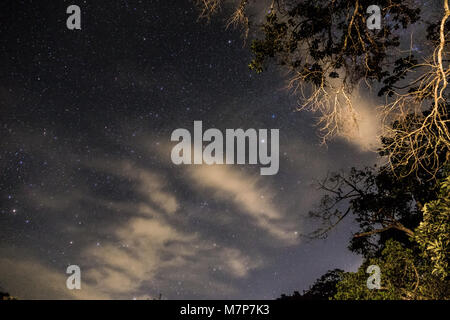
point(86, 177)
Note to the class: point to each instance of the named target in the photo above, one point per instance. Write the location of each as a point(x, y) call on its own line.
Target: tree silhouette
point(322, 289)
point(6, 296)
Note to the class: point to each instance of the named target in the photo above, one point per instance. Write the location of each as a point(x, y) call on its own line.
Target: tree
point(323, 289)
point(404, 276)
point(433, 233)
point(6, 296)
point(404, 229)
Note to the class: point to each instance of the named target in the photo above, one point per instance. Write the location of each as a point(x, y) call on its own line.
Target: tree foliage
point(6, 296)
point(329, 39)
point(404, 228)
point(404, 276)
point(324, 288)
point(433, 233)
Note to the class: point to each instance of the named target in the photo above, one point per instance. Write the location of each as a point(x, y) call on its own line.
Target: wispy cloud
point(249, 195)
point(28, 278)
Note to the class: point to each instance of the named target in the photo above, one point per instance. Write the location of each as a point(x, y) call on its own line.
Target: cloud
point(151, 246)
point(155, 238)
point(362, 129)
point(150, 252)
point(147, 254)
point(150, 184)
point(249, 196)
point(237, 264)
point(28, 278)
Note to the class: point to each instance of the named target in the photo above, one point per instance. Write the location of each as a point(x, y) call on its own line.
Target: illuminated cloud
point(149, 184)
point(30, 279)
point(364, 127)
point(249, 196)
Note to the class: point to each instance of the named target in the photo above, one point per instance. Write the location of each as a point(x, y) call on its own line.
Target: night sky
point(86, 176)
